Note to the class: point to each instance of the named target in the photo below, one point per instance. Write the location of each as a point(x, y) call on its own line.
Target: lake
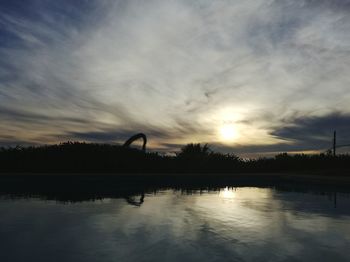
point(226, 224)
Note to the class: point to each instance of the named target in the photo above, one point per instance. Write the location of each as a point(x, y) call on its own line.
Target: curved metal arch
point(136, 137)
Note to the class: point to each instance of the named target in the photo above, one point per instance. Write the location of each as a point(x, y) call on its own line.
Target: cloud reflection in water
point(240, 224)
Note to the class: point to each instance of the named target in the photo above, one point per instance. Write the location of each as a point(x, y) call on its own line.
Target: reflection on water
point(231, 224)
point(227, 193)
point(131, 200)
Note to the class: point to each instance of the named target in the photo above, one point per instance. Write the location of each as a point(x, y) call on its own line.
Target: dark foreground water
point(233, 224)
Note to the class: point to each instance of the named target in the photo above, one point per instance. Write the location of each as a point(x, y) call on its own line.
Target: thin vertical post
point(334, 142)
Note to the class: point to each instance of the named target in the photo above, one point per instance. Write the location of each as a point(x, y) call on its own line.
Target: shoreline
point(81, 187)
point(312, 176)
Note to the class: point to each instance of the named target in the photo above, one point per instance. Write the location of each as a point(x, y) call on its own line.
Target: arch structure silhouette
point(136, 137)
point(131, 201)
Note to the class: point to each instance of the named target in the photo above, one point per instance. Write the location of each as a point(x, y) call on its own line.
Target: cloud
point(299, 134)
point(315, 131)
point(170, 68)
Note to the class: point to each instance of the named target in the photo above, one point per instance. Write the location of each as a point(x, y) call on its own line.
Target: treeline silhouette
point(76, 157)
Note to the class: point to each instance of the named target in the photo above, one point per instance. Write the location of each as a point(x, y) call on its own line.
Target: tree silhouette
point(78, 157)
point(194, 151)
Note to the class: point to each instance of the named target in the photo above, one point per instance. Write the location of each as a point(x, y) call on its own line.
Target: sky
point(253, 77)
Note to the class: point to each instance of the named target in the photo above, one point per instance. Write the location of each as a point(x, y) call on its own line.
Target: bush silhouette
point(73, 157)
point(194, 151)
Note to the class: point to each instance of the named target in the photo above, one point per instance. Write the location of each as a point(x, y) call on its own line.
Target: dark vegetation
point(74, 157)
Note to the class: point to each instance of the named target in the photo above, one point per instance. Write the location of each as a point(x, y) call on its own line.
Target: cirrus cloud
point(171, 68)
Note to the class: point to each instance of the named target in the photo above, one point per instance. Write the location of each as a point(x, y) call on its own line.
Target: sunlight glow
point(227, 193)
point(228, 132)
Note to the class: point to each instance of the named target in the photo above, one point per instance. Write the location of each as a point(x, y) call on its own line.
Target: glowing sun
point(228, 132)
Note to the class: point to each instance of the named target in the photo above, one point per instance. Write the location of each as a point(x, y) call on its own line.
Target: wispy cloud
point(176, 69)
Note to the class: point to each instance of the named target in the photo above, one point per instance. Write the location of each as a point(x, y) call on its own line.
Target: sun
point(228, 132)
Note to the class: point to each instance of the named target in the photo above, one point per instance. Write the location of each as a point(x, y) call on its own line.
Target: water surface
point(231, 224)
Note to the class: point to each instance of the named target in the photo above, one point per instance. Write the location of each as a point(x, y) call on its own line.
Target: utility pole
point(334, 142)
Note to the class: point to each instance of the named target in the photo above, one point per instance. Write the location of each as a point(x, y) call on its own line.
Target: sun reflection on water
point(228, 193)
